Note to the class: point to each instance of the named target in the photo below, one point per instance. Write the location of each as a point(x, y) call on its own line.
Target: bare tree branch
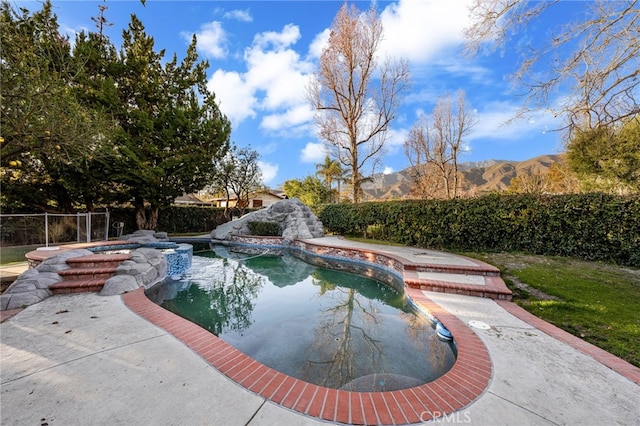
point(354, 96)
point(598, 81)
point(433, 145)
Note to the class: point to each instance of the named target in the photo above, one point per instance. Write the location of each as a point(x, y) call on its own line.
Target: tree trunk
point(227, 214)
point(145, 218)
point(354, 184)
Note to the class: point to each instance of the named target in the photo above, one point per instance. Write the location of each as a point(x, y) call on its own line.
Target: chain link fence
point(52, 229)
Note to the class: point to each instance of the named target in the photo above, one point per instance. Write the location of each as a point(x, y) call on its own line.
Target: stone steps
point(483, 270)
point(88, 273)
point(98, 260)
point(78, 286)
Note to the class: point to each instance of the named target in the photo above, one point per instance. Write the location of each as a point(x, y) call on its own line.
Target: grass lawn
point(10, 255)
point(595, 301)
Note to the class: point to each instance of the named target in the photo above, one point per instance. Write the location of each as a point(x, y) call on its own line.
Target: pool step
point(98, 260)
point(460, 282)
point(88, 273)
point(484, 270)
point(78, 286)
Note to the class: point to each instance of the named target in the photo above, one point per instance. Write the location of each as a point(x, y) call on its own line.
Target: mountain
point(476, 177)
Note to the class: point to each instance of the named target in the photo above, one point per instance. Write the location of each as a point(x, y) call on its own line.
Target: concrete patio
point(86, 359)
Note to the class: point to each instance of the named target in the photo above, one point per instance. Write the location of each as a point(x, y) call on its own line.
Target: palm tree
point(330, 171)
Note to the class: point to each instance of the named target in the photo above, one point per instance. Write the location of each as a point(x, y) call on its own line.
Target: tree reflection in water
point(340, 338)
point(224, 301)
point(327, 327)
point(419, 332)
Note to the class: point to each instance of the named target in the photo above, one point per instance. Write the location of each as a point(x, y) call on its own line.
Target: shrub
point(588, 226)
point(266, 229)
point(175, 219)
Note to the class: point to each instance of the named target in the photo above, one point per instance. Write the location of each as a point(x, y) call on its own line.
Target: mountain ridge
point(475, 177)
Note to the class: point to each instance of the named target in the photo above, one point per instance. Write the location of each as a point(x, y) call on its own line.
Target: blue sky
point(261, 54)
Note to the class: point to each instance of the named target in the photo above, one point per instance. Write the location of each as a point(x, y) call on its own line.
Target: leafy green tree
point(311, 190)
point(607, 157)
point(47, 134)
point(238, 174)
point(171, 129)
point(91, 125)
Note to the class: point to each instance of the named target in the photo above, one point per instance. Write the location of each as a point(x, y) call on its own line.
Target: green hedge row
point(175, 219)
point(588, 226)
point(268, 229)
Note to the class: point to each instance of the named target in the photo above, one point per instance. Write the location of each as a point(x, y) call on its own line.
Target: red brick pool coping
point(460, 386)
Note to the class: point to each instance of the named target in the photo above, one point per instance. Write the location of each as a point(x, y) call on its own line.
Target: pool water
point(328, 327)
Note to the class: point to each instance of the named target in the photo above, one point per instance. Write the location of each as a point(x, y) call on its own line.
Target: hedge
point(269, 229)
point(175, 219)
point(587, 226)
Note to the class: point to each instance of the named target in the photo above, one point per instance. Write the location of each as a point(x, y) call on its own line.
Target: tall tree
point(48, 135)
point(356, 96)
point(434, 143)
point(246, 177)
point(601, 72)
point(170, 126)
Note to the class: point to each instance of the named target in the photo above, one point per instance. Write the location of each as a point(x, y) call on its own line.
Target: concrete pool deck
point(87, 359)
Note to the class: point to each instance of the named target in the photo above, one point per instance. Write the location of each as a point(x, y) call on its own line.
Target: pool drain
point(479, 324)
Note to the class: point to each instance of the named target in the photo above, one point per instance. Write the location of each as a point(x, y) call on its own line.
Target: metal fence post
point(106, 225)
point(88, 227)
point(46, 229)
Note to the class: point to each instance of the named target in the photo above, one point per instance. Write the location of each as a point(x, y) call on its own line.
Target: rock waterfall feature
point(295, 219)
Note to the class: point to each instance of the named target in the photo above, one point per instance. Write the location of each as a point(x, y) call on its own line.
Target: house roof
point(189, 199)
point(275, 193)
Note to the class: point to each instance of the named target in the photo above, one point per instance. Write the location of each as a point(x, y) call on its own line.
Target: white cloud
point(496, 121)
point(418, 30)
point(280, 74)
point(319, 42)
point(274, 84)
point(235, 98)
point(212, 39)
point(313, 153)
point(239, 15)
point(458, 66)
point(292, 117)
point(396, 138)
point(387, 170)
point(269, 171)
point(280, 40)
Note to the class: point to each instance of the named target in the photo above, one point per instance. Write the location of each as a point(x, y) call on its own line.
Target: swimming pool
point(328, 327)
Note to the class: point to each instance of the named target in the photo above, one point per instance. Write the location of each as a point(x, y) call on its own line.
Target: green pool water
point(328, 327)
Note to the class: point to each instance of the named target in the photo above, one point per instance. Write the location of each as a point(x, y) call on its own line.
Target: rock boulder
point(295, 219)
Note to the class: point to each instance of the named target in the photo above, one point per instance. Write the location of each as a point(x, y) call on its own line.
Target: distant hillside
point(477, 177)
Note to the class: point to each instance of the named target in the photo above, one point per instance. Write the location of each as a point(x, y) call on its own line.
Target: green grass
point(372, 241)
point(10, 255)
point(595, 301)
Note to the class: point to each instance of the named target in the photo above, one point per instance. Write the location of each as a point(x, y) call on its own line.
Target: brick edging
point(618, 365)
point(460, 386)
point(494, 287)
